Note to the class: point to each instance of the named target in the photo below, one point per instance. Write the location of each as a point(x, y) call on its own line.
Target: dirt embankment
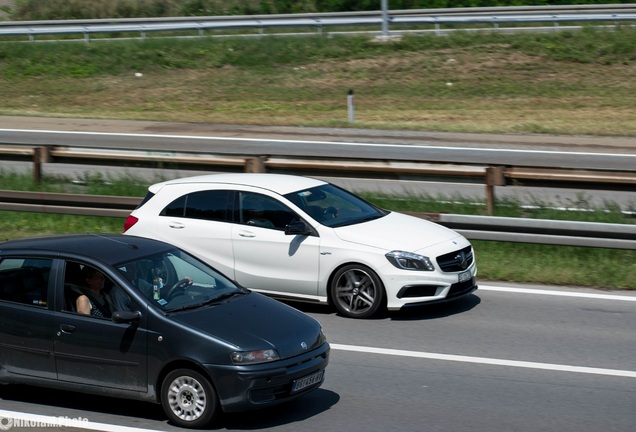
point(3, 3)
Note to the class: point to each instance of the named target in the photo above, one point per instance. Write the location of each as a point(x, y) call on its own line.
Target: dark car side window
point(25, 281)
point(103, 301)
point(211, 205)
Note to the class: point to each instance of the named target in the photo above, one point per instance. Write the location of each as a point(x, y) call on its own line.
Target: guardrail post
point(40, 156)
point(255, 164)
point(385, 18)
point(351, 106)
point(494, 177)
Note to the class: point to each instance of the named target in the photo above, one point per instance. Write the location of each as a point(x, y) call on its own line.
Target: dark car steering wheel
point(181, 285)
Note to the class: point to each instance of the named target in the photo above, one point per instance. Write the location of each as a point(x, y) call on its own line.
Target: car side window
point(210, 205)
point(176, 208)
point(264, 211)
point(25, 281)
point(88, 291)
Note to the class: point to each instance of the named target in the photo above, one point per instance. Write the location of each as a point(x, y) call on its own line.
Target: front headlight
point(323, 337)
point(410, 261)
point(254, 357)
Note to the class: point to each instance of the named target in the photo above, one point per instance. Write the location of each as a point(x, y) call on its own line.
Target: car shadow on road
point(295, 411)
point(82, 405)
point(422, 312)
point(436, 311)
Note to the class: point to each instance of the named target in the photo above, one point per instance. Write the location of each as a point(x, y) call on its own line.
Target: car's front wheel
point(356, 291)
point(188, 399)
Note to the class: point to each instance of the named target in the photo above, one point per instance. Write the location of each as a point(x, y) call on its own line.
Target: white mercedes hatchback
point(300, 238)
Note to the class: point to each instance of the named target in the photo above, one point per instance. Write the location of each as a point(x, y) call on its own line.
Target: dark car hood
point(254, 321)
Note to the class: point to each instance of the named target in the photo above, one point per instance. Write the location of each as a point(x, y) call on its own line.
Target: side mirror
point(298, 228)
point(121, 317)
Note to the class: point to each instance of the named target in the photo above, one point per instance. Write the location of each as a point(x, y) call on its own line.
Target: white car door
point(198, 223)
point(265, 258)
point(208, 240)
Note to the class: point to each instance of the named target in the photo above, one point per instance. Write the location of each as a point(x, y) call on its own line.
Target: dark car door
point(26, 332)
point(97, 351)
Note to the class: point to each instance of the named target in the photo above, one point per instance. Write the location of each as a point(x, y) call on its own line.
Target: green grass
point(556, 265)
point(559, 83)
point(542, 264)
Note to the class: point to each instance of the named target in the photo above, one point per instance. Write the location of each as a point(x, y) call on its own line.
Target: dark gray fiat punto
point(136, 318)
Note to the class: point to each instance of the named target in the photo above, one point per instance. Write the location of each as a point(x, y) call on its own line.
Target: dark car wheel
point(188, 399)
point(356, 291)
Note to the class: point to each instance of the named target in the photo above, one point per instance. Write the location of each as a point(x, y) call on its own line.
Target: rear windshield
point(148, 196)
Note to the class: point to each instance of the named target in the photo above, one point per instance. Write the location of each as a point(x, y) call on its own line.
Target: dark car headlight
point(410, 261)
point(322, 338)
point(254, 357)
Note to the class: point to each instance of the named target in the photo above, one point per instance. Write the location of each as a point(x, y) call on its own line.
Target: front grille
point(269, 394)
point(456, 261)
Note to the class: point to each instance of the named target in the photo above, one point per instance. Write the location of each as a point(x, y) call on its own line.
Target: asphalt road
point(528, 150)
point(520, 359)
point(616, 153)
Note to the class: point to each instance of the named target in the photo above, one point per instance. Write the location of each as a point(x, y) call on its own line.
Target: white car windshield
point(335, 207)
point(174, 281)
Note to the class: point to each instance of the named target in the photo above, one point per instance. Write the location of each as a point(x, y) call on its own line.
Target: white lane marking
point(9, 419)
point(337, 143)
point(485, 360)
point(558, 293)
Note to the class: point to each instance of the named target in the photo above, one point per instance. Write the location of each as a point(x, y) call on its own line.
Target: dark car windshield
point(334, 207)
point(176, 280)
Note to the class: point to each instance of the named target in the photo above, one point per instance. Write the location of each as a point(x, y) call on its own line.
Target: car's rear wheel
point(356, 291)
point(188, 399)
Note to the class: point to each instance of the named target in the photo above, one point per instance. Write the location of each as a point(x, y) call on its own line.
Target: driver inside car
point(154, 286)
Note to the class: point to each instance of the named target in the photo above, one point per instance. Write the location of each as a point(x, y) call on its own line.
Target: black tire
point(357, 292)
point(188, 399)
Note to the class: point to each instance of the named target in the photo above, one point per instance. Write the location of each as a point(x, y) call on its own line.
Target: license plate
point(307, 381)
point(464, 276)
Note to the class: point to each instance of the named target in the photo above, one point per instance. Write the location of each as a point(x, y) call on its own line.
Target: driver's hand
point(188, 282)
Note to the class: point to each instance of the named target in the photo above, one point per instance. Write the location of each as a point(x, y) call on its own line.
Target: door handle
point(246, 234)
point(67, 328)
point(176, 225)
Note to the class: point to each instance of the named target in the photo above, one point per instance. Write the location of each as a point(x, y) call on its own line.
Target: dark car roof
point(108, 248)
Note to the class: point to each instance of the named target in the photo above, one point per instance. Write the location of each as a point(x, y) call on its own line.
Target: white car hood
point(397, 231)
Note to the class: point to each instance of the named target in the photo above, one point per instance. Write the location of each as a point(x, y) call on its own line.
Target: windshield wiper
point(356, 221)
point(370, 218)
point(222, 297)
point(213, 301)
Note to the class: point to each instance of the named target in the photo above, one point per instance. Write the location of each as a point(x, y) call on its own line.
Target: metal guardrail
point(489, 176)
point(436, 17)
point(543, 231)
point(501, 229)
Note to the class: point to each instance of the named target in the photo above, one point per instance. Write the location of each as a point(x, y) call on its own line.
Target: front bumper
point(242, 388)
point(417, 288)
point(455, 291)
